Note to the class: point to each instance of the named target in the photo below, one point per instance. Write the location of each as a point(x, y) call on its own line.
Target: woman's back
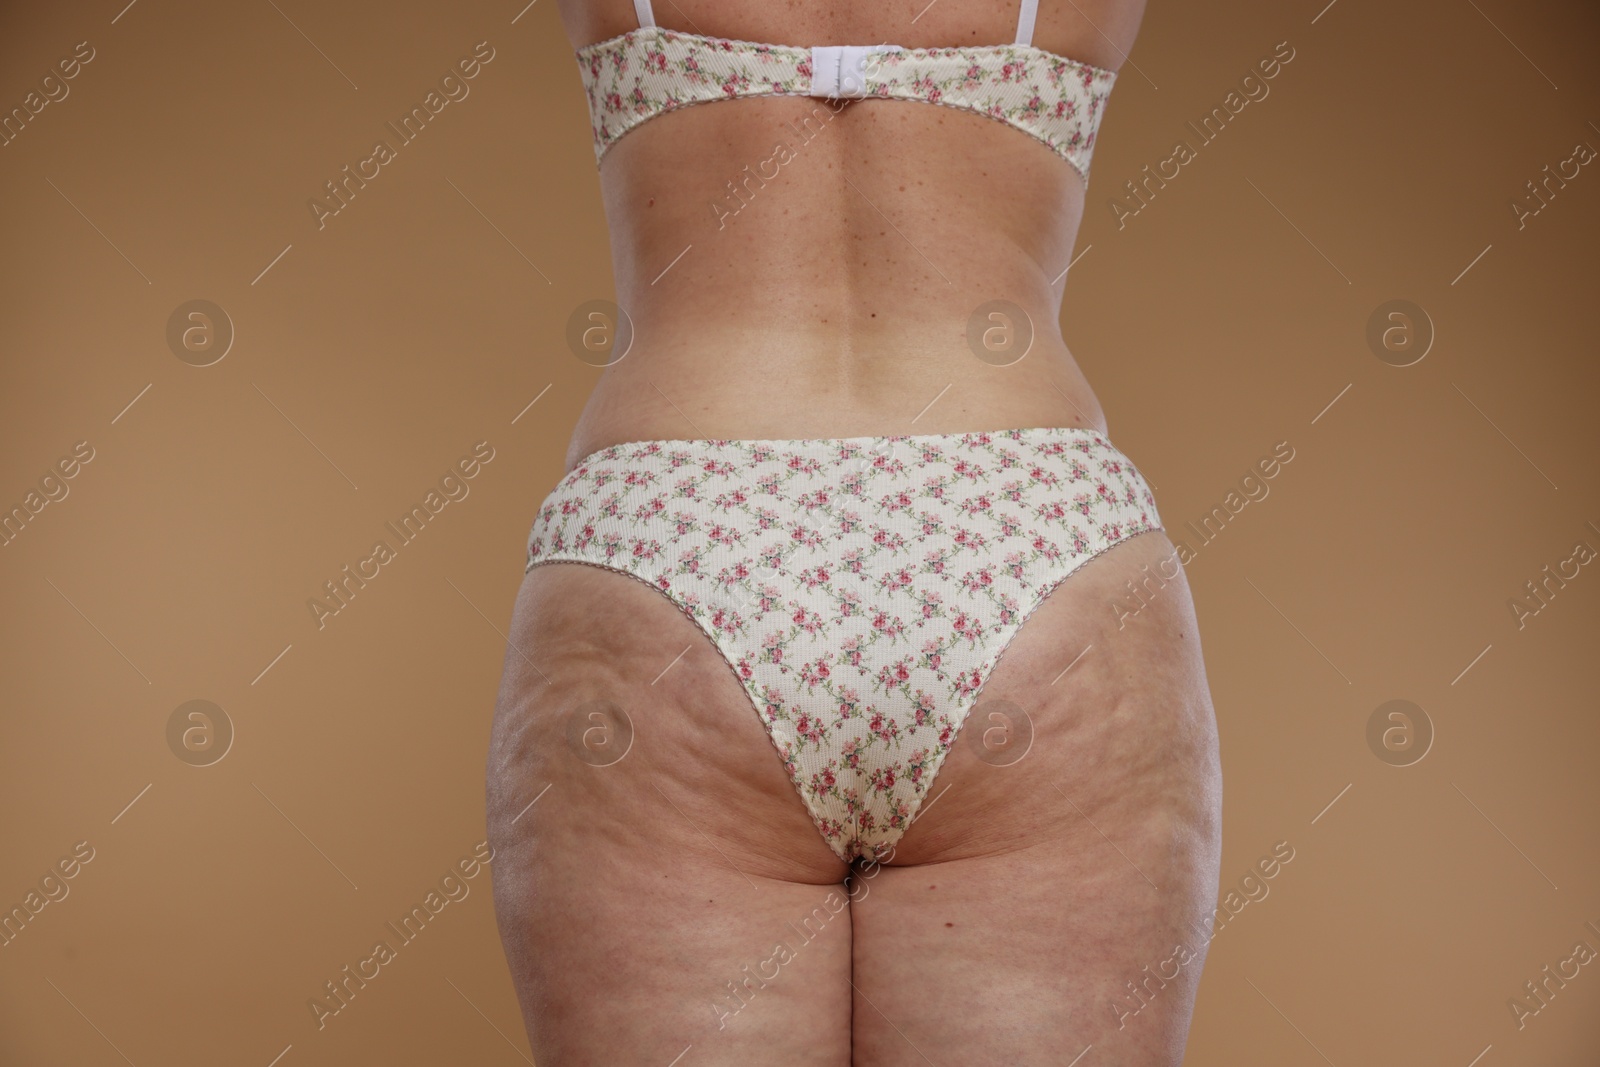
point(795, 266)
point(820, 662)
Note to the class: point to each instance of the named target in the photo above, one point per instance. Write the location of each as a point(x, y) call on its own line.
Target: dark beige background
point(1228, 315)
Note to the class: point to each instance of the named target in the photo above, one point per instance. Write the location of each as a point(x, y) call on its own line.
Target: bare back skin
point(1035, 911)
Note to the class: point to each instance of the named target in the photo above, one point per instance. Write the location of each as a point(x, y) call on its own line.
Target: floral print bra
point(652, 70)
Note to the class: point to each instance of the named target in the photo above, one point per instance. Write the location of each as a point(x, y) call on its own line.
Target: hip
point(1015, 500)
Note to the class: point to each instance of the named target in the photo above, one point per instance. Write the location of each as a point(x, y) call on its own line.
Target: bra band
point(1025, 18)
point(645, 72)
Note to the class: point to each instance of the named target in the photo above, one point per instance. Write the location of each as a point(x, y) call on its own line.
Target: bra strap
point(1030, 10)
point(647, 17)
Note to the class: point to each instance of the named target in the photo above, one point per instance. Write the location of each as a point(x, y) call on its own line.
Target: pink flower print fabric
point(859, 589)
point(649, 71)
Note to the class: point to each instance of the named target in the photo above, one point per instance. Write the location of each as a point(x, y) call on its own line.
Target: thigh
point(1057, 902)
point(658, 884)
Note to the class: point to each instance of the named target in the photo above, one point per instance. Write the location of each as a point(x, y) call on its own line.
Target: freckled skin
point(917, 212)
point(641, 903)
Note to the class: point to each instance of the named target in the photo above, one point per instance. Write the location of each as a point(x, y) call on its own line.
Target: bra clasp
point(841, 70)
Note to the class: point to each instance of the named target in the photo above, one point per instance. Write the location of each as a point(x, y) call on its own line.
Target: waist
point(752, 383)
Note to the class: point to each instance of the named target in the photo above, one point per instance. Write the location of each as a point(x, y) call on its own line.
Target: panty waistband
point(840, 449)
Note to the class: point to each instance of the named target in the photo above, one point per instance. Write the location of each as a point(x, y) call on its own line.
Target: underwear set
point(860, 589)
